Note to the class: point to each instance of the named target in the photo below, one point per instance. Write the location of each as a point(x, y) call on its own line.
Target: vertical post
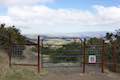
point(41, 54)
point(9, 50)
point(114, 57)
point(84, 55)
point(38, 54)
point(102, 57)
point(80, 50)
point(105, 57)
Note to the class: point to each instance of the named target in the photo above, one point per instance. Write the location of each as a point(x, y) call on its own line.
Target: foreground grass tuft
point(21, 74)
point(18, 72)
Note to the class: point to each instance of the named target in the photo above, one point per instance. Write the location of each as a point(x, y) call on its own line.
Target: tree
point(16, 36)
point(94, 41)
point(111, 37)
point(118, 44)
point(118, 36)
point(11, 35)
point(3, 36)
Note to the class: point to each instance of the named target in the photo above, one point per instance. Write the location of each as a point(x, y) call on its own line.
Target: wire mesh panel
point(62, 55)
point(23, 54)
point(113, 57)
point(109, 57)
point(93, 58)
point(118, 58)
point(94, 54)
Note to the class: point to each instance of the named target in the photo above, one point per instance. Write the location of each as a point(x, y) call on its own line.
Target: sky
point(61, 16)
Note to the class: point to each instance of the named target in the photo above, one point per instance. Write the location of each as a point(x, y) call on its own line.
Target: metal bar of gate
point(102, 57)
point(84, 55)
point(26, 44)
point(38, 54)
point(25, 64)
point(61, 38)
point(41, 56)
point(9, 51)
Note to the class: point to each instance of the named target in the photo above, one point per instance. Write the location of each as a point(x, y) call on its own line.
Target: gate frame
point(114, 58)
point(38, 45)
point(102, 63)
point(72, 38)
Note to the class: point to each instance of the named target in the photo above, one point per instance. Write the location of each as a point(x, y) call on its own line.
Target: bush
point(65, 53)
point(34, 49)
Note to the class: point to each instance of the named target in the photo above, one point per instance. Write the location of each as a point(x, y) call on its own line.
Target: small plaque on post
point(92, 58)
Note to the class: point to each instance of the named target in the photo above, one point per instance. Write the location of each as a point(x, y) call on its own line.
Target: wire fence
point(56, 53)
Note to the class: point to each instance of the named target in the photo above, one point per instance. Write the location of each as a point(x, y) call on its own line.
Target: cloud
point(42, 19)
point(23, 2)
point(5, 19)
point(109, 16)
point(44, 14)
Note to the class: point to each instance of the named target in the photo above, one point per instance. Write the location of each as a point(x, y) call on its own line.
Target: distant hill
point(79, 34)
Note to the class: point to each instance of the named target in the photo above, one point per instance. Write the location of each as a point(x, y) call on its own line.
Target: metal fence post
point(84, 55)
point(41, 57)
point(38, 54)
point(102, 57)
point(9, 50)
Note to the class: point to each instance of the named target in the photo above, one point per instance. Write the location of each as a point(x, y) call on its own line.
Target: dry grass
point(17, 72)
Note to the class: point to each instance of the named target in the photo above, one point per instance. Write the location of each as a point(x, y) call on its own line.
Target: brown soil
point(76, 75)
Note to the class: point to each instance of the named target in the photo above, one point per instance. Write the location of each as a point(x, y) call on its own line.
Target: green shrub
point(61, 55)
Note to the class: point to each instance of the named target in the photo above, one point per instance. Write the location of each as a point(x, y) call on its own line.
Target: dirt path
point(66, 75)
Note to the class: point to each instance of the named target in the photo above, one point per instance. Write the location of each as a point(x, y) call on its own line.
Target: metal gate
point(64, 54)
point(94, 56)
point(23, 54)
point(58, 54)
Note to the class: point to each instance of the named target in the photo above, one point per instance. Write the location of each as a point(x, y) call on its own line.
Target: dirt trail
point(63, 75)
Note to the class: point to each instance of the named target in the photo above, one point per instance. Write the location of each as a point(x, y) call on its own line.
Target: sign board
point(92, 58)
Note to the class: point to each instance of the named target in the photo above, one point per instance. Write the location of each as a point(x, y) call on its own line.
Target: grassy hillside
point(17, 72)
